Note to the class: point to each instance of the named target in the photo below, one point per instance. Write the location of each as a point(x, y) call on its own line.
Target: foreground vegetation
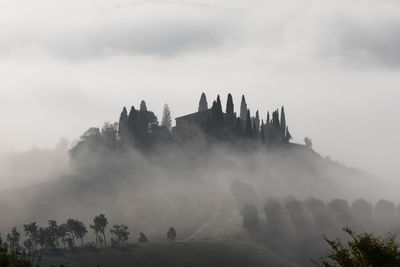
point(210, 253)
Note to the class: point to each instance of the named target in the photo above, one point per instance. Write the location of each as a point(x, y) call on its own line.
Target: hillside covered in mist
point(198, 176)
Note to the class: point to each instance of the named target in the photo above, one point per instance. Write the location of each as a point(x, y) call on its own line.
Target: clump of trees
point(63, 236)
point(363, 249)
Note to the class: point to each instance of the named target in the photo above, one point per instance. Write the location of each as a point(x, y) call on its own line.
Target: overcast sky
point(334, 64)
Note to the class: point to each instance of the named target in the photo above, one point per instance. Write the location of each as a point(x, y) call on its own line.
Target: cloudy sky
point(334, 64)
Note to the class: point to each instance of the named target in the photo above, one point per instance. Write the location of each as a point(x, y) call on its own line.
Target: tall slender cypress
point(243, 108)
point(283, 120)
point(203, 105)
point(123, 125)
point(143, 106)
point(132, 122)
point(229, 110)
point(248, 129)
point(262, 131)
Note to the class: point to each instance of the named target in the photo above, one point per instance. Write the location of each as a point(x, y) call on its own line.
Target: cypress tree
point(166, 119)
point(283, 120)
point(267, 122)
point(248, 130)
point(132, 122)
point(219, 114)
point(229, 110)
point(275, 119)
point(243, 109)
point(262, 131)
point(143, 106)
point(203, 105)
point(257, 121)
point(123, 125)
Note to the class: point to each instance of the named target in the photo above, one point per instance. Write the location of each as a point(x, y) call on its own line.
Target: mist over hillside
point(200, 177)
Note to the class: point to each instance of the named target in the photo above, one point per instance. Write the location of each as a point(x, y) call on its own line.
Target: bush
point(17, 259)
point(362, 250)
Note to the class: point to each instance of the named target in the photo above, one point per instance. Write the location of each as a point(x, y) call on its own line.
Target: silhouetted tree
point(262, 131)
point(123, 126)
point(171, 234)
point(13, 239)
point(32, 236)
point(250, 218)
point(229, 111)
point(52, 233)
point(268, 119)
point(142, 238)
point(75, 229)
point(143, 106)
point(243, 109)
point(99, 225)
point(283, 121)
point(248, 129)
point(203, 105)
point(166, 119)
point(257, 122)
point(120, 232)
point(133, 122)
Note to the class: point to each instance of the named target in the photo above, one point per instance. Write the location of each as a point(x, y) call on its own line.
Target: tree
point(250, 218)
point(229, 111)
point(166, 119)
point(283, 120)
point(219, 114)
point(143, 106)
point(99, 225)
point(123, 125)
point(120, 232)
point(257, 122)
point(262, 131)
point(32, 236)
point(362, 250)
point(13, 239)
point(142, 238)
point(243, 109)
point(171, 234)
point(132, 122)
point(248, 129)
point(203, 105)
point(308, 142)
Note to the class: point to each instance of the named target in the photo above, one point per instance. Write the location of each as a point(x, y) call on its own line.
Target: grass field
point(207, 253)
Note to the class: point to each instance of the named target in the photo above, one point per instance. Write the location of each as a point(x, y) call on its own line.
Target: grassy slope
point(207, 253)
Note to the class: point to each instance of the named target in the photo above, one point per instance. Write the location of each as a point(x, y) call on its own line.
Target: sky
point(66, 66)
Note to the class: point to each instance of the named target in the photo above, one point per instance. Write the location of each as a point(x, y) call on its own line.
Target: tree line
point(295, 228)
point(65, 235)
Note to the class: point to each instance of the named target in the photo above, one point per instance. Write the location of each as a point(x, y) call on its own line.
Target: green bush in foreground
point(364, 250)
point(15, 258)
